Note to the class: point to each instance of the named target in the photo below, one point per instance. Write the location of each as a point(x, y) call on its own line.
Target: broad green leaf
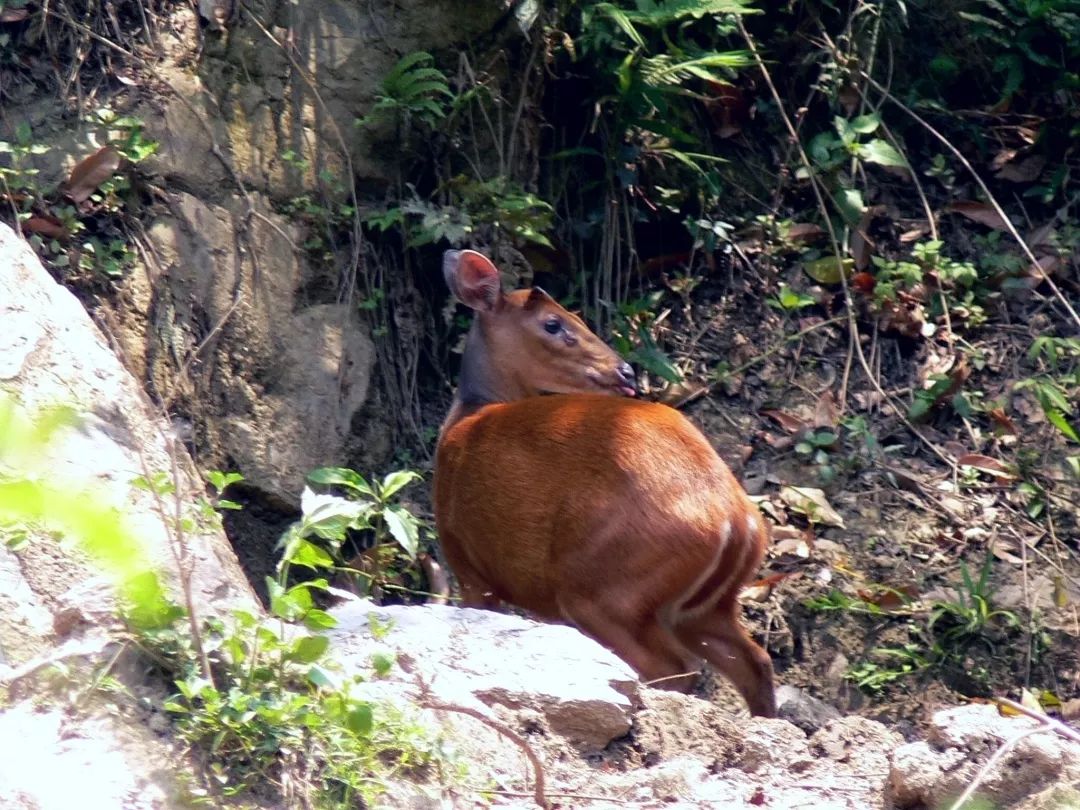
point(219, 480)
point(395, 481)
point(316, 619)
point(342, 476)
point(309, 649)
point(321, 679)
point(361, 720)
point(404, 527)
point(382, 663)
point(882, 153)
point(310, 555)
point(850, 203)
point(865, 124)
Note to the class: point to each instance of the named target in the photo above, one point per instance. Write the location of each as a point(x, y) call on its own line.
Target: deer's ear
point(473, 279)
point(537, 296)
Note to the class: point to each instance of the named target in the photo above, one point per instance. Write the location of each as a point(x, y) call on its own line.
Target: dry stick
point(1030, 626)
point(521, 103)
point(178, 547)
point(1048, 724)
point(984, 771)
point(848, 302)
point(990, 197)
point(538, 768)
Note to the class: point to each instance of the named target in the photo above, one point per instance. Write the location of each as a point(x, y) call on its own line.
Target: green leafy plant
point(832, 150)
point(649, 58)
point(788, 300)
point(367, 506)
point(957, 283)
point(1056, 390)
point(413, 91)
point(19, 173)
point(494, 209)
point(971, 618)
point(633, 337)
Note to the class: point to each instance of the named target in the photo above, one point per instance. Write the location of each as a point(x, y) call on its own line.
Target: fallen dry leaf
point(47, 226)
point(1025, 171)
point(979, 212)
point(914, 234)
point(889, 597)
point(811, 502)
point(91, 172)
point(826, 411)
point(1043, 236)
point(760, 590)
point(791, 424)
point(803, 232)
point(1070, 710)
point(796, 546)
point(1002, 423)
point(987, 464)
point(1045, 266)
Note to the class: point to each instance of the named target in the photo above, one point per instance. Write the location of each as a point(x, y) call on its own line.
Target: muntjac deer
point(609, 513)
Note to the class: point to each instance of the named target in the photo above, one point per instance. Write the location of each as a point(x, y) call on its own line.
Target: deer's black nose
point(626, 374)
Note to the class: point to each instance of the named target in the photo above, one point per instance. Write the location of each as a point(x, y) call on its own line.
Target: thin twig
point(1048, 722)
point(538, 793)
point(989, 765)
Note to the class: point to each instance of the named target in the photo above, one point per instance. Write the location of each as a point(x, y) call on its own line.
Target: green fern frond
point(664, 70)
point(659, 14)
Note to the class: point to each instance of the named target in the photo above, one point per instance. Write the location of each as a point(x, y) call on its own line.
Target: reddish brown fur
point(610, 513)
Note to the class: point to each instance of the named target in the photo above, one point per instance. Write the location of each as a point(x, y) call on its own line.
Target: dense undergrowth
point(855, 221)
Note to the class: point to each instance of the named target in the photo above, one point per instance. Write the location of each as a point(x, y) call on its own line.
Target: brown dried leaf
point(915, 234)
point(786, 532)
point(866, 400)
point(8, 15)
point(1070, 710)
point(1002, 422)
point(47, 226)
point(1026, 171)
point(760, 590)
point(861, 248)
point(1042, 237)
point(811, 502)
point(803, 232)
point(979, 212)
point(905, 480)
point(889, 597)
point(826, 411)
point(776, 442)
point(1046, 266)
point(91, 172)
point(987, 464)
point(682, 393)
point(789, 423)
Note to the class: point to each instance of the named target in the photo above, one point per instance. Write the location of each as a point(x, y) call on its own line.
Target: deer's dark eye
point(553, 326)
